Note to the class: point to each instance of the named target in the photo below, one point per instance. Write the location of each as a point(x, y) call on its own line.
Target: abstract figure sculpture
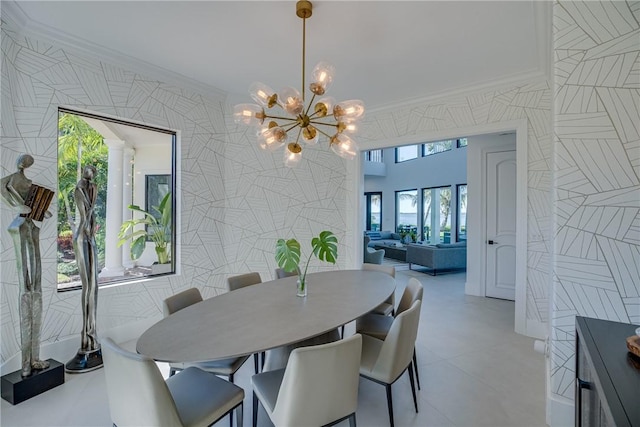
point(32, 202)
point(89, 357)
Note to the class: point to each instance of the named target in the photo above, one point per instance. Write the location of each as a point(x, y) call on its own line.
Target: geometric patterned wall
point(528, 100)
point(596, 264)
point(236, 199)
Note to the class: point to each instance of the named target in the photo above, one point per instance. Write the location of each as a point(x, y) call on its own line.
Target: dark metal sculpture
point(89, 357)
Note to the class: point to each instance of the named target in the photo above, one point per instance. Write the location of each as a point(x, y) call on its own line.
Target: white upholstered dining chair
point(387, 307)
point(227, 367)
point(139, 396)
point(378, 326)
point(384, 361)
point(318, 387)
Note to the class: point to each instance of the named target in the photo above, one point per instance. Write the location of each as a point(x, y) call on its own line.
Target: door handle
point(492, 242)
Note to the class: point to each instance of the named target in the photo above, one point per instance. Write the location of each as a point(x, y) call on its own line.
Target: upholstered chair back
point(412, 293)
point(243, 280)
point(138, 395)
point(388, 269)
point(397, 349)
point(320, 384)
point(181, 300)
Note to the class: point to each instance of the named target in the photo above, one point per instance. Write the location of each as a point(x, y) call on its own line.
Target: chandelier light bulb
point(349, 111)
point(272, 138)
point(344, 146)
point(248, 114)
point(291, 101)
point(292, 155)
point(262, 94)
point(325, 105)
point(322, 77)
point(350, 127)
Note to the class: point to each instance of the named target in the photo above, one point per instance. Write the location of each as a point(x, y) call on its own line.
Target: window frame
point(397, 199)
point(173, 245)
point(368, 210)
point(405, 146)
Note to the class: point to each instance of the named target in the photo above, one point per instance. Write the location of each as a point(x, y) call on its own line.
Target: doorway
point(475, 239)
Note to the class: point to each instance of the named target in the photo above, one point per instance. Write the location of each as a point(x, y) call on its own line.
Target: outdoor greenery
point(156, 229)
point(78, 145)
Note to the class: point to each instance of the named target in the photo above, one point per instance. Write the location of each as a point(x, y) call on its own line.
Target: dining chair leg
point(255, 362)
point(389, 404)
point(413, 386)
point(239, 415)
point(255, 409)
point(264, 359)
point(352, 420)
point(230, 418)
point(415, 366)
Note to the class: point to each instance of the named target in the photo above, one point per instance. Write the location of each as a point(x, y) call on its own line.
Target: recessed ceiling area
point(385, 52)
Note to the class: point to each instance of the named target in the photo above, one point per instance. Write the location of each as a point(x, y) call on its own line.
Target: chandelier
point(299, 122)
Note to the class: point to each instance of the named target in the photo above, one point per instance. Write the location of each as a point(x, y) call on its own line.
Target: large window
point(462, 212)
point(431, 148)
point(436, 215)
point(374, 211)
point(407, 211)
point(462, 142)
point(135, 173)
point(408, 152)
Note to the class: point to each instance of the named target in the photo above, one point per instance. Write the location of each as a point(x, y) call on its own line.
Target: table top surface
point(264, 316)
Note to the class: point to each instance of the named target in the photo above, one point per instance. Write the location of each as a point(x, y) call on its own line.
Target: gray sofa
point(443, 256)
point(382, 237)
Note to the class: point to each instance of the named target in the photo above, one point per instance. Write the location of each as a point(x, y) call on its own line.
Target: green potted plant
point(324, 247)
point(157, 230)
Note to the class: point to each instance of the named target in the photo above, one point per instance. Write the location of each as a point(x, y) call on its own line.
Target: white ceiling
point(385, 52)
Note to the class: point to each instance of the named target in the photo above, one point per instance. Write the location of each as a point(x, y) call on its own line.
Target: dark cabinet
point(607, 389)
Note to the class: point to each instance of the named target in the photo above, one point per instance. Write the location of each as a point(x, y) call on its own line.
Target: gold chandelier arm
point(280, 118)
point(316, 122)
point(324, 133)
point(292, 127)
point(298, 137)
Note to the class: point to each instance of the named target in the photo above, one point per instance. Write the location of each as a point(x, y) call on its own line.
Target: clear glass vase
point(301, 287)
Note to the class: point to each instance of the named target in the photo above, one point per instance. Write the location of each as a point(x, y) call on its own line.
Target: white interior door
point(501, 225)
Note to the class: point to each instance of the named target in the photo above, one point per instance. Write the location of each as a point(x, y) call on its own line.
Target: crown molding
point(521, 78)
point(11, 12)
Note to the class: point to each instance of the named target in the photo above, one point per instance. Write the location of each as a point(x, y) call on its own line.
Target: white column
point(127, 199)
point(112, 253)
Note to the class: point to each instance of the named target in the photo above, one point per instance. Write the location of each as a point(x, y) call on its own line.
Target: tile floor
point(474, 371)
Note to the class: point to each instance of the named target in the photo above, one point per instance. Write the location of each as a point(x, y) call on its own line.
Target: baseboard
point(560, 412)
point(66, 349)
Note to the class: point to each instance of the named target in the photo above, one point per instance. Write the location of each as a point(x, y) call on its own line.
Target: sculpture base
point(16, 389)
point(84, 362)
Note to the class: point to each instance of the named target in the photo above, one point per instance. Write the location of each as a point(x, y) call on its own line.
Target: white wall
point(438, 170)
point(596, 180)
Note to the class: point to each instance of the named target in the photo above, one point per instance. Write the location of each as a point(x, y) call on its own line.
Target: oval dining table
point(265, 316)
